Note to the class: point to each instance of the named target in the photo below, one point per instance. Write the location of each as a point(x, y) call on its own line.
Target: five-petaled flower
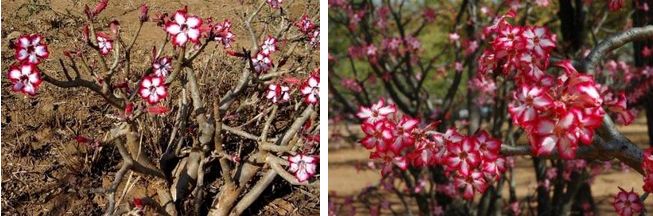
point(222, 33)
point(104, 43)
point(162, 66)
point(529, 100)
point(262, 63)
point(539, 40)
point(25, 78)
point(31, 49)
point(278, 93)
point(376, 112)
point(153, 89)
point(303, 166)
point(183, 28)
point(269, 45)
point(627, 203)
point(311, 90)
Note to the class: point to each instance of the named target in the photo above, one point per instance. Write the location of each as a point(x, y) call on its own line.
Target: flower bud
point(143, 17)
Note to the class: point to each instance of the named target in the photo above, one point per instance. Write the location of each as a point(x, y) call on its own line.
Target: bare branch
point(614, 42)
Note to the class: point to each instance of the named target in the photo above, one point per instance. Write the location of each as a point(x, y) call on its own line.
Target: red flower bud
point(100, 6)
point(143, 17)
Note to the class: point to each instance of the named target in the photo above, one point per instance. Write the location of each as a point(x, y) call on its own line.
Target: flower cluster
point(647, 165)
point(310, 30)
point(262, 61)
point(309, 89)
point(627, 203)
point(25, 76)
point(561, 115)
point(555, 112)
point(472, 161)
point(303, 166)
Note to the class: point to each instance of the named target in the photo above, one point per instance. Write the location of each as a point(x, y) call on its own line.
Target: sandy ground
point(44, 171)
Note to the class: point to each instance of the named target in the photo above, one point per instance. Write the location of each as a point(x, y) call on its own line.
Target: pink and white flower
point(184, 28)
point(463, 156)
point(305, 24)
point(403, 134)
point(302, 166)
point(539, 39)
point(153, 89)
point(222, 33)
point(377, 135)
point(162, 66)
point(314, 38)
point(472, 183)
point(528, 101)
point(25, 78)
point(31, 49)
point(627, 203)
point(376, 112)
point(278, 93)
point(547, 134)
point(269, 45)
point(104, 43)
point(275, 3)
point(262, 63)
point(311, 89)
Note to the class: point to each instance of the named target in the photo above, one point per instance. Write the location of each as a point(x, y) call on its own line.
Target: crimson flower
point(311, 89)
point(403, 134)
point(528, 100)
point(305, 24)
point(474, 182)
point(627, 203)
point(463, 155)
point(560, 132)
point(615, 5)
point(278, 93)
point(539, 40)
point(376, 112)
point(162, 66)
point(183, 28)
point(509, 37)
point(303, 166)
point(377, 135)
point(223, 34)
point(31, 49)
point(25, 78)
point(153, 89)
point(104, 43)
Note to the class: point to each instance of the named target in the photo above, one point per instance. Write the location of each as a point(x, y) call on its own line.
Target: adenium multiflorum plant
point(186, 113)
point(532, 88)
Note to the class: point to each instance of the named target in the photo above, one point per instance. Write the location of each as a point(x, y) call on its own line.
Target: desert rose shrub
point(214, 147)
point(444, 114)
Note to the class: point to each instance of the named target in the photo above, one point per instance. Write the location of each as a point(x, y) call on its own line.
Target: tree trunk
point(643, 18)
